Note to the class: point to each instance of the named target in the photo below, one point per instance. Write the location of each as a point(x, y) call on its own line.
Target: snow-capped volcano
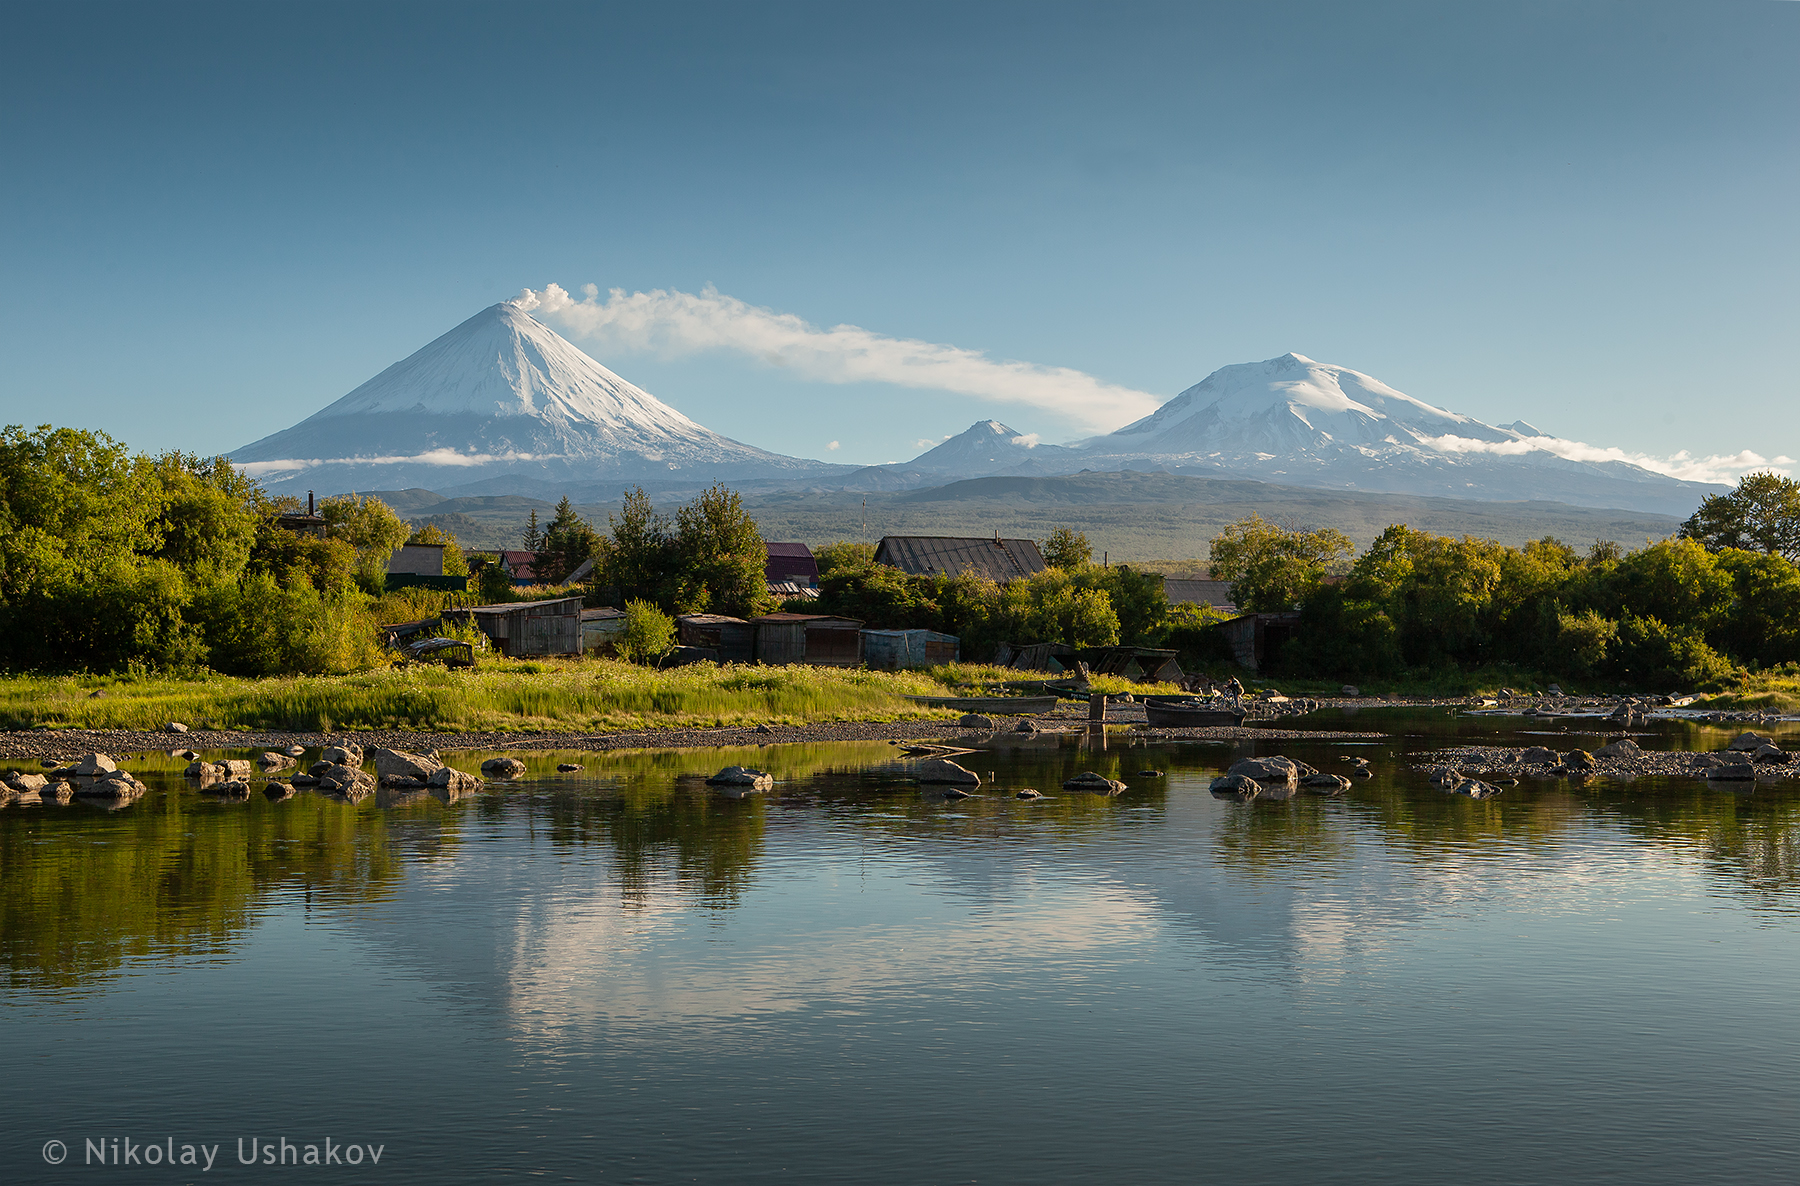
point(1288, 403)
point(990, 447)
point(502, 394)
point(1306, 423)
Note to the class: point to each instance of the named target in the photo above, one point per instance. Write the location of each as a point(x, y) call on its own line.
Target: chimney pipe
point(309, 502)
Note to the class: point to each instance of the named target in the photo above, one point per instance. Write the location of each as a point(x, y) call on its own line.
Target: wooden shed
point(600, 629)
point(522, 628)
point(900, 650)
point(1256, 639)
point(732, 638)
point(817, 639)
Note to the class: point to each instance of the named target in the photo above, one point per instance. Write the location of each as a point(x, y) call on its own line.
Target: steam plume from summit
point(676, 323)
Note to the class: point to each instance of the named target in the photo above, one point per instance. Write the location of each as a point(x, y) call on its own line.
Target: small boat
point(1003, 705)
point(1189, 716)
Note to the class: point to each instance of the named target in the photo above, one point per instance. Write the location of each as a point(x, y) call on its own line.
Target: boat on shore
point(1001, 705)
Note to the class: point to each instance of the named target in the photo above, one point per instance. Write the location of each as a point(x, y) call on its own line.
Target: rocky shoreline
point(1749, 759)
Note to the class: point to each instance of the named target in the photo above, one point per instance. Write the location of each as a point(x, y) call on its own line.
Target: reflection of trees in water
point(1750, 841)
point(665, 835)
point(81, 894)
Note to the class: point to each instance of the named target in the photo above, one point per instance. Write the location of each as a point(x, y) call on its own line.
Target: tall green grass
point(573, 694)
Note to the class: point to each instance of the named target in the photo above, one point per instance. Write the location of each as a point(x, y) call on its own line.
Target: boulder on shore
point(944, 771)
point(175, 727)
point(1095, 784)
point(974, 720)
point(1734, 772)
point(1749, 743)
point(1625, 747)
point(503, 768)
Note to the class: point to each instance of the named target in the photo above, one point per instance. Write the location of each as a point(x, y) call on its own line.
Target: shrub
point(649, 633)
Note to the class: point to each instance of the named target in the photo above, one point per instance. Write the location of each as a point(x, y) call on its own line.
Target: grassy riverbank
point(585, 694)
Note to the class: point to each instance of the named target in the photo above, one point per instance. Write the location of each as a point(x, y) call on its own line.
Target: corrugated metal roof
point(930, 555)
point(711, 620)
point(1198, 592)
point(774, 619)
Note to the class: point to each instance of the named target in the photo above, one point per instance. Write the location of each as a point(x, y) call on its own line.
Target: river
point(618, 975)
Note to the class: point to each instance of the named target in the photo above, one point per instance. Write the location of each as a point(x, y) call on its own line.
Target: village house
point(520, 628)
point(934, 555)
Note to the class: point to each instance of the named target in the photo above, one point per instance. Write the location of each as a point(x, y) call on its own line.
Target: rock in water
point(95, 764)
point(393, 766)
point(1267, 770)
point(503, 768)
point(26, 782)
point(1749, 743)
point(743, 776)
point(1235, 786)
point(935, 771)
point(1474, 788)
point(1736, 772)
point(1027, 794)
point(352, 782)
point(1325, 784)
point(1095, 784)
point(567, 767)
point(447, 779)
point(274, 761)
point(342, 755)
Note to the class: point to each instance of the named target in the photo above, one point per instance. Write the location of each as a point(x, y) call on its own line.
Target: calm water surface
point(619, 976)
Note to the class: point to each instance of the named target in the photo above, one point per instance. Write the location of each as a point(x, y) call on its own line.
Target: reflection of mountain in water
point(580, 887)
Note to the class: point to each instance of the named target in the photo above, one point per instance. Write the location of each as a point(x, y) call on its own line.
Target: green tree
point(371, 527)
point(641, 562)
point(721, 557)
point(1067, 549)
point(494, 583)
point(1275, 568)
point(844, 553)
point(565, 545)
point(649, 634)
point(1761, 515)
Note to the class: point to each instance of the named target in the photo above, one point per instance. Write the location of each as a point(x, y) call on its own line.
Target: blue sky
point(216, 219)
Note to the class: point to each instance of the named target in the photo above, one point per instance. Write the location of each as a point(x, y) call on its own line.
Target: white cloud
point(1029, 440)
point(1725, 468)
point(925, 443)
point(450, 457)
point(677, 323)
point(833, 446)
